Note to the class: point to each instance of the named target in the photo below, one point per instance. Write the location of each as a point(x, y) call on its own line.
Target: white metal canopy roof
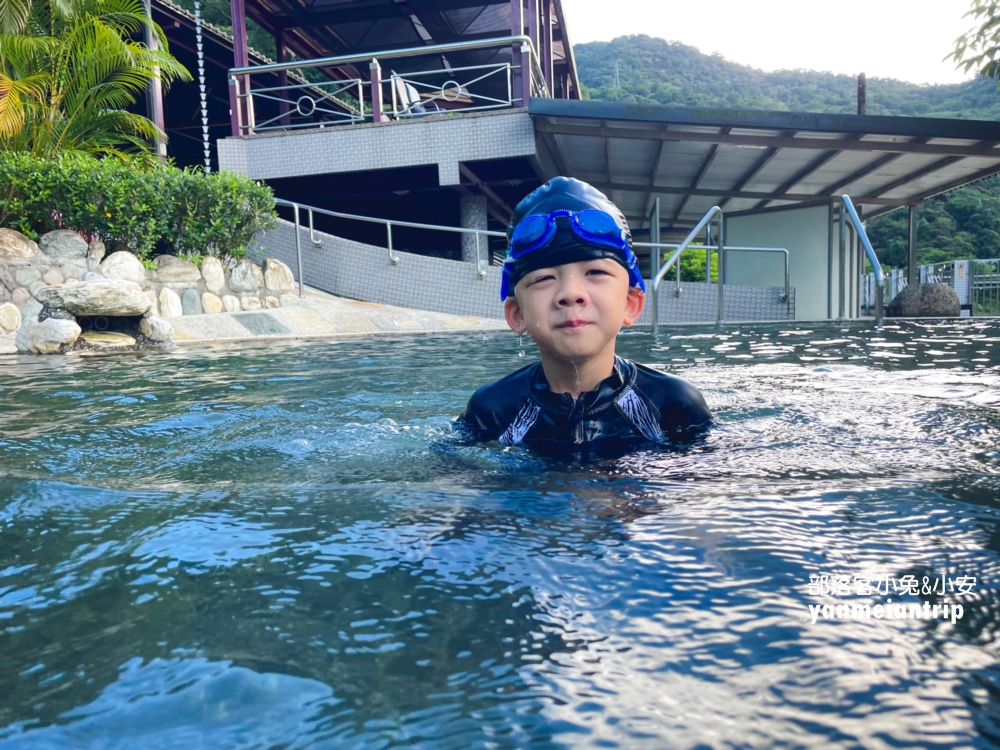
point(755, 161)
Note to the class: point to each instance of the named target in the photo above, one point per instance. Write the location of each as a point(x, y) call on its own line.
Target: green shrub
point(145, 210)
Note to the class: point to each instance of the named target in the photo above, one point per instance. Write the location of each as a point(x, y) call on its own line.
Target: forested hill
point(964, 223)
point(657, 71)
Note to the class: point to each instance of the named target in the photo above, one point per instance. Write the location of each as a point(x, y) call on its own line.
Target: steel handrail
point(389, 224)
point(862, 236)
point(433, 49)
point(782, 297)
point(705, 220)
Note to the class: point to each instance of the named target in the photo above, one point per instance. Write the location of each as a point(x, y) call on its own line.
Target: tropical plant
point(69, 69)
point(979, 47)
point(145, 211)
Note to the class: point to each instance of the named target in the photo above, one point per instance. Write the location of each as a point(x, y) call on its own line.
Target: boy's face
point(574, 311)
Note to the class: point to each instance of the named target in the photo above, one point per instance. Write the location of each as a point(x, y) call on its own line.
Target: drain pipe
point(298, 250)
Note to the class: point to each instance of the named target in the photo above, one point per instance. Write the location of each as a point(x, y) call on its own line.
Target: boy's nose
point(572, 291)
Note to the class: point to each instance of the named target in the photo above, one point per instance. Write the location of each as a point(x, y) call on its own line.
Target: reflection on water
point(277, 547)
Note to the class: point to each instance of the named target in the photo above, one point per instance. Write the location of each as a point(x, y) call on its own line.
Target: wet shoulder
point(495, 404)
point(680, 404)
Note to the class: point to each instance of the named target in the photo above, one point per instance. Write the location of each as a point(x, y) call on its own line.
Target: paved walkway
point(318, 315)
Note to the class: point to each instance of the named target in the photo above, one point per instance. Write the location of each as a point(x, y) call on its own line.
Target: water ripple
point(278, 546)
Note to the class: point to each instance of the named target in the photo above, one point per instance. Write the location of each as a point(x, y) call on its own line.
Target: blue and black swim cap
point(565, 221)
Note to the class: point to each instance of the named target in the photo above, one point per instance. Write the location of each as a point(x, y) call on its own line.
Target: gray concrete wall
point(444, 140)
point(363, 272)
point(804, 232)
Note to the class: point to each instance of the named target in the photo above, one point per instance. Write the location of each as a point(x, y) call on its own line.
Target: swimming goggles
point(593, 227)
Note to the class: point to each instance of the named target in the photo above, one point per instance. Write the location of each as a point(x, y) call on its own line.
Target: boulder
point(24, 276)
point(277, 276)
point(53, 277)
point(4, 294)
point(35, 287)
point(7, 280)
point(31, 310)
point(10, 318)
point(156, 329)
point(47, 336)
point(214, 274)
point(123, 265)
point(250, 303)
point(93, 276)
point(191, 302)
point(19, 296)
point(231, 304)
point(246, 276)
point(103, 297)
point(75, 269)
point(13, 245)
point(170, 304)
point(176, 270)
point(154, 308)
point(107, 339)
point(96, 251)
point(925, 301)
point(63, 244)
point(290, 300)
point(210, 303)
point(56, 312)
point(271, 302)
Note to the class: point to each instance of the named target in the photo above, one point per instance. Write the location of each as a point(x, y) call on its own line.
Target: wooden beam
point(373, 11)
point(491, 210)
point(487, 191)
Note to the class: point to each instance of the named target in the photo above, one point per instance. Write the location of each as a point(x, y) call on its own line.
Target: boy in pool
point(570, 281)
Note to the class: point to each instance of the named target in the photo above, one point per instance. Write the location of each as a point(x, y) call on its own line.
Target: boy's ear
point(515, 318)
point(634, 304)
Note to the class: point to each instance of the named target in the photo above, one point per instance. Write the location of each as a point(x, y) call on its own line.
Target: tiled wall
point(363, 272)
point(437, 139)
point(699, 302)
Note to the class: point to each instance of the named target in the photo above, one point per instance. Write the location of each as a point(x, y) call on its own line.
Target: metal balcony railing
point(416, 94)
point(354, 100)
point(307, 105)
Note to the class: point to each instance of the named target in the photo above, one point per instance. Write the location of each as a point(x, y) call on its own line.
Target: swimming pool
point(268, 547)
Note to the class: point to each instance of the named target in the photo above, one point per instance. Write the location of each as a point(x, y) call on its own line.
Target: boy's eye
point(598, 270)
point(540, 278)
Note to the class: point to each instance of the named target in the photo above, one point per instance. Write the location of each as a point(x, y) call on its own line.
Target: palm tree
point(69, 69)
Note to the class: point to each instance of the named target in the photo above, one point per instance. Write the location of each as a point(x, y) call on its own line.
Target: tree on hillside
point(962, 223)
point(69, 69)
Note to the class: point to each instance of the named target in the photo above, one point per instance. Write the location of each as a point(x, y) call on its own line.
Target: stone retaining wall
point(55, 291)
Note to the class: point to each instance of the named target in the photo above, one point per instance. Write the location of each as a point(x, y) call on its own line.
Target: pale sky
point(904, 39)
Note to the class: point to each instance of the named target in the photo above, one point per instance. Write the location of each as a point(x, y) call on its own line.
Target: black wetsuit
point(636, 405)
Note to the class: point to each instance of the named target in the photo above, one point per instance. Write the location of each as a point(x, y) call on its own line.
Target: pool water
point(276, 546)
